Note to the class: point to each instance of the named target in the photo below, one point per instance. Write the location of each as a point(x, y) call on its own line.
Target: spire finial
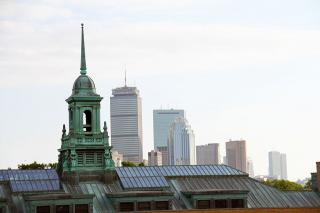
point(63, 130)
point(83, 68)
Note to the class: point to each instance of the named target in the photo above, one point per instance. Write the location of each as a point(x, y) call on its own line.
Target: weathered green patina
point(85, 147)
point(58, 199)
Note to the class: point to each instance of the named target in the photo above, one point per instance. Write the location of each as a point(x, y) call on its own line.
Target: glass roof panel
point(124, 182)
point(206, 171)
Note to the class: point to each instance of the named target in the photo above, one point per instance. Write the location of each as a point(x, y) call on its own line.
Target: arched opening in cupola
point(87, 121)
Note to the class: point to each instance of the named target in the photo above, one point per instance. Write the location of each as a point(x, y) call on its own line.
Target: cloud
point(147, 49)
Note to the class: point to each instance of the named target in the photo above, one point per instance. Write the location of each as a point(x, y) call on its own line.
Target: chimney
point(318, 175)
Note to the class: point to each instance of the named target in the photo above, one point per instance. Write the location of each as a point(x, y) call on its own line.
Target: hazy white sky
point(241, 69)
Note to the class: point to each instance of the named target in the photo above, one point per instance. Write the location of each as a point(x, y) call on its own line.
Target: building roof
point(182, 182)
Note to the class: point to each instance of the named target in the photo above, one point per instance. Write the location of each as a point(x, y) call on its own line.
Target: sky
point(240, 69)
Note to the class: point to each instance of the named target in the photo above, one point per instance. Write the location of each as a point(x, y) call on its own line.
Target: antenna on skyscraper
point(125, 76)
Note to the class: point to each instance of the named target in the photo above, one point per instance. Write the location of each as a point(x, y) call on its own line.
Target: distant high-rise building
point(208, 154)
point(181, 143)
point(154, 158)
point(162, 120)
point(283, 167)
point(274, 164)
point(277, 165)
point(224, 161)
point(145, 162)
point(236, 154)
point(126, 123)
point(250, 170)
point(164, 152)
point(117, 158)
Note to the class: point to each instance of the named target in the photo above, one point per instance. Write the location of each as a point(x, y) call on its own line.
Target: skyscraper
point(236, 154)
point(154, 158)
point(181, 143)
point(283, 167)
point(277, 165)
point(164, 153)
point(208, 154)
point(126, 123)
point(162, 120)
point(250, 170)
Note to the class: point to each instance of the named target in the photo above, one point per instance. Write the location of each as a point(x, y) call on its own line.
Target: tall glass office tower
point(126, 123)
point(162, 120)
point(181, 144)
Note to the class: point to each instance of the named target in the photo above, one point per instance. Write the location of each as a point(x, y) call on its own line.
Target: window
point(89, 158)
point(99, 158)
point(80, 158)
point(126, 207)
point(62, 209)
point(162, 205)
point(144, 206)
point(237, 203)
point(203, 204)
point(87, 121)
point(220, 203)
point(43, 209)
point(82, 208)
point(70, 115)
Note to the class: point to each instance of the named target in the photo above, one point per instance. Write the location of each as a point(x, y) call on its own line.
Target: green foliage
point(284, 185)
point(128, 164)
point(131, 164)
point(36, 165)
point(141, 164)
point(307, 185)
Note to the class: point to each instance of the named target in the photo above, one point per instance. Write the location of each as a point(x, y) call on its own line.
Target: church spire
point(83, 68)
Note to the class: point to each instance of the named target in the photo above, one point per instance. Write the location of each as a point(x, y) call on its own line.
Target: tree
point(131, 164)
point(307, 185)
point(141, 164)
point(284, 185)
point(36, 165)
point(128, 164)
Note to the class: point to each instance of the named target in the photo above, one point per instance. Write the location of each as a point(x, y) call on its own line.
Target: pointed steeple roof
point(83, 68)
point(83, 85)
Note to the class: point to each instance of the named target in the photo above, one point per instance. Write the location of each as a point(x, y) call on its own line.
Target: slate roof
point(221, 178)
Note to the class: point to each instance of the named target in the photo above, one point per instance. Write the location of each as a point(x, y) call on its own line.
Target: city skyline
point(237, 71)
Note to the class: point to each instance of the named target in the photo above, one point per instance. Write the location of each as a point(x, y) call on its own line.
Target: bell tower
point(85, 147)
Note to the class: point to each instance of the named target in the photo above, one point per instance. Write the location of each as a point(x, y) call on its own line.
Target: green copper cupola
point(85, 147)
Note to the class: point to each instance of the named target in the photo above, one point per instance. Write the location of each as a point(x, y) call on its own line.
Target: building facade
point(250, 169)
point(277, 165)
point(208, 154)
point(117, 158)
point(181, 143)
point(126, 123)
point(154, 158)
point(162, 120)
point(164, 153)
point(236, 154)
